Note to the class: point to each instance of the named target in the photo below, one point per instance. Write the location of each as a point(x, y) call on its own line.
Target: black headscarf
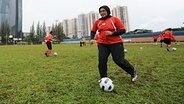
point(170, 29)
point(108, 12)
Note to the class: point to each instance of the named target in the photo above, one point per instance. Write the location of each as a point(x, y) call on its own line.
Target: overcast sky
point(150, 14)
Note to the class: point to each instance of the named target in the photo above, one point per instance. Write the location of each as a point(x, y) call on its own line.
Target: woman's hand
point(92, 41)
point(108, 32)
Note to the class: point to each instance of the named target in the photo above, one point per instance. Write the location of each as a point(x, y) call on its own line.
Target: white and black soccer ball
point(55, 53)
point(106, 84)
point(174, 49)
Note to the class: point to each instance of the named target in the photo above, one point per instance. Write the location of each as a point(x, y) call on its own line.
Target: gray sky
point(150, 14)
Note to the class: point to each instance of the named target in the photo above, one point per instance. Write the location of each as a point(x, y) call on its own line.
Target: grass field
point(28, 77)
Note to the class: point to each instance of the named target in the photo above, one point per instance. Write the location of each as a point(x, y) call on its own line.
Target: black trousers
point(49, 45)
point(167, 41)
point(118, 55)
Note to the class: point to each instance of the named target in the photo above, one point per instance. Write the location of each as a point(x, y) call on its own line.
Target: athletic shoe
point(168, 49)
point(46, 54)
point(134, 77)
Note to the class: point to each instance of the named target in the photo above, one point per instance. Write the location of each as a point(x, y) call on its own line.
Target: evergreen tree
point(43, 30)
point(4, 32)
point(58, 32)
point(32, 33)
point(60, 35)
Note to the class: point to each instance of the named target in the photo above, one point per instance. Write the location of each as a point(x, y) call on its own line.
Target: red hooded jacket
point(48, 38)
point(169, 35)
point(109, 24)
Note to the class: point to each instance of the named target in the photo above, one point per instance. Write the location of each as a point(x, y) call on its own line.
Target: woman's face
point(103, 12)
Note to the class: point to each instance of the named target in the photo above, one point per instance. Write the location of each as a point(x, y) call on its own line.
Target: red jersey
point(109, 24)
point(161, 36)
point(48, 38)
point(169, 35)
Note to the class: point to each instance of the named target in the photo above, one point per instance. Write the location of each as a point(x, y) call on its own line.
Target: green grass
point(27, 76)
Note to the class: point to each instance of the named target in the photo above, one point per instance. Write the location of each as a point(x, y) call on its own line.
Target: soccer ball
point(125, 50)
point(55, 54)
point(106, 84)
point(174, 49)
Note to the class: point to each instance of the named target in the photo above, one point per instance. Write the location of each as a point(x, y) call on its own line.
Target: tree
point(38, 36)
point(32, 33)
point(178, 29)
point(4, 32)
point(62, 35)
point(43, 30)
point(58, 32)
point(140, 31)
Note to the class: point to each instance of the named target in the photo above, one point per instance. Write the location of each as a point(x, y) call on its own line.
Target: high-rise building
point(84, 23)
point(72, 28)
point(11, 12)
point(122, 13)
point(91, 18)
point(65, 27)
point(82, 26)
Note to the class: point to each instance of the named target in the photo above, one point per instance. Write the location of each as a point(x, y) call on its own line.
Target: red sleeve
point(94, 28)
point(119, 25)
point(171, 34)
point(173, 39)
